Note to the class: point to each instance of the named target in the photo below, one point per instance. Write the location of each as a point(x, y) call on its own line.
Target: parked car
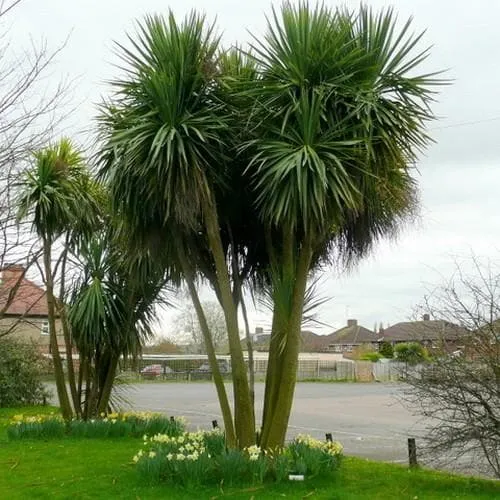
point(154, 371)
point(205, 367)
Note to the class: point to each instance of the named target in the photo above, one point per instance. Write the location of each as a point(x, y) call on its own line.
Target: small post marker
point(329, 437)
point(172, 419)
point(215, 425)
point(412, 452)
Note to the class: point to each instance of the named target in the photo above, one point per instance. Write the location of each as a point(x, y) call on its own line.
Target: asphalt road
point(367, 419)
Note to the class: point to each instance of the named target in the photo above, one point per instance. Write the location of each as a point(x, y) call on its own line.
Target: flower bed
point(201, 458)
point(128, 424)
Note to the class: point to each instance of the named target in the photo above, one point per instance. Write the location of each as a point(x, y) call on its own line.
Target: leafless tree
point(32, 107)
point(459, 393)
point(186, 323)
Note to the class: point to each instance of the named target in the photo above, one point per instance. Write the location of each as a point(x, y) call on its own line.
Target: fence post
point(412, 452)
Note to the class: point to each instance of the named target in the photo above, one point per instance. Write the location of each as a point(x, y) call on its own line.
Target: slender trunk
point(80, 382)
point(283, 376)
point(88, 388)
point(56, 357)
point(271, 387)
point(105, 391)
point(238, 293)
point(251, 364)
point(243, 410)
point(283, 277)
point(214, 366)
point(93, 385)
point(67, 337)
point(189, 277)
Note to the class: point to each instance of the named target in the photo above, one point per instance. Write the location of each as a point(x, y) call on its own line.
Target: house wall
point(30, 330)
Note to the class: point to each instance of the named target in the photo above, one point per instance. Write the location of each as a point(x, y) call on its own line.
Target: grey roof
point(408, 331)
point(354, 334)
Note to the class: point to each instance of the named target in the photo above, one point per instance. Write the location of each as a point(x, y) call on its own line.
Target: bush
point(20, 369)
point(113, 425)
point(201, 459)
point(371, 356)
point(411, 353)
point(386, 350)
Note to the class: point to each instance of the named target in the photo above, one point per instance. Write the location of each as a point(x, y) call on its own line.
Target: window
point(44, 330)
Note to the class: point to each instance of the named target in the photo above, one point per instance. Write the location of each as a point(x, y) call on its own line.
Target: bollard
point(329, 436)
point(412, 452)
point(215, 425)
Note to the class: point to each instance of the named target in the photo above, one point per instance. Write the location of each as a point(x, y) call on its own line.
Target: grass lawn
point(90, 469)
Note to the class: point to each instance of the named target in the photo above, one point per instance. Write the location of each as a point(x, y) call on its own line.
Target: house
point(432, 334)
point(310, 341)
point(350, 337)
point(23, 309)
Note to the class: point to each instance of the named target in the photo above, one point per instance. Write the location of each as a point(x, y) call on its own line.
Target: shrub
point(201, 458)
point(113, 425)
point(20, 370)
point(371, 356)
point(386, 350)
point(411, 353)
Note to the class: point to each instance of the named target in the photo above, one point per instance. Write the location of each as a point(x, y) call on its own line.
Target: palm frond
point(57, 193)
point(161, 131)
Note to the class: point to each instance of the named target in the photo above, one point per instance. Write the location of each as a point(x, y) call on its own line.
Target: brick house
point(435, 335)
point(310, 341)
point(26, 315)
point(350, 337)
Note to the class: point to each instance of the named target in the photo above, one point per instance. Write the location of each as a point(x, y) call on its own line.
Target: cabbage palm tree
point(339, 118)
point(164, 156)
point(264, 167)
point(57, 196)
point(111, 313)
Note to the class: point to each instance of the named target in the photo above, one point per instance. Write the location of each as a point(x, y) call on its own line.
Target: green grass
point(88, 469)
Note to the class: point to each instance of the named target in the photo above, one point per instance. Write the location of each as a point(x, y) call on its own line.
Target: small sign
point(296, 477)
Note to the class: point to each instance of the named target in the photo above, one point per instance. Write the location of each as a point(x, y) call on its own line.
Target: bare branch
point(459, 394)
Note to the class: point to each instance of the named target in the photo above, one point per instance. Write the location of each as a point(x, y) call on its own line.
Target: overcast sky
point(459, 175)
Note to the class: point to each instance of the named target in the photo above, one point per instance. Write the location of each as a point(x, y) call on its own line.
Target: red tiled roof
point(29, 299)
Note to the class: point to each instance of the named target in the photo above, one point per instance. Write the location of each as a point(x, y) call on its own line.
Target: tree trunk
point(238, 294)
point(81, 371)
point(243, 408)
point(67, 338)
point(105, 390)
point(283, 375)
point(282, 276)
point(212, 359)
point(251, 364)
point(272, 381)
point(62, 393)
point(88, 388)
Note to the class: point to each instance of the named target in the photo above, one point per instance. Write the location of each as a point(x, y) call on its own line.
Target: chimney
point(426, 317)
point(352, 322)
